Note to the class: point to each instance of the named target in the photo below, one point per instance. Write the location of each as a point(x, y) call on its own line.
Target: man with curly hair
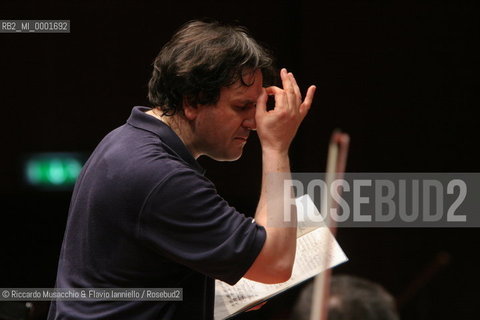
point(142, 213)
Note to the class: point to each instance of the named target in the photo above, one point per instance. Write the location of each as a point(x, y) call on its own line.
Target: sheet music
point(317, 250)
point(306, 209)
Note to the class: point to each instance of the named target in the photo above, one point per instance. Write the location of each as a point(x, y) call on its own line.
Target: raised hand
point(276, 128)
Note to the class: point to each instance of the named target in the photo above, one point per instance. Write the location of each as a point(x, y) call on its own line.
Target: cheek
point(222, 127)
point(216, 135)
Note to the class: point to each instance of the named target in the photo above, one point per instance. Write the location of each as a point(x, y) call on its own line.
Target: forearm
point(278, 254)
point(275, 168)
point(276, 211)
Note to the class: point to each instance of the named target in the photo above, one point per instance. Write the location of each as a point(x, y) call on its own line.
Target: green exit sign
point(53, 170)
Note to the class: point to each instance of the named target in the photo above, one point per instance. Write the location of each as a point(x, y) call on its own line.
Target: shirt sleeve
point(186, 220)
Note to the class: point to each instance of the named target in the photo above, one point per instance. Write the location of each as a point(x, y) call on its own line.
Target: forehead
point(238, 92)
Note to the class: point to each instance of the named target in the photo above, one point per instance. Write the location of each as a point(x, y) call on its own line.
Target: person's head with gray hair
point(351, 298)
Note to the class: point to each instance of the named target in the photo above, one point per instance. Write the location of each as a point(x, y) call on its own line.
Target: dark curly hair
point(200, 59)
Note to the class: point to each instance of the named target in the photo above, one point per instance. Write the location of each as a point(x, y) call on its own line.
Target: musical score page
point(317, 250)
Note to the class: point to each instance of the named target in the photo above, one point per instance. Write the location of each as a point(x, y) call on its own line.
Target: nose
point(249, 122)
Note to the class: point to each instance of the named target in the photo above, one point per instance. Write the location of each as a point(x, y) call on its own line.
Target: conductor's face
point(221, 130)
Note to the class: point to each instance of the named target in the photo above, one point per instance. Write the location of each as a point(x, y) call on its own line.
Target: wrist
point(274, 153)
point(275, 160)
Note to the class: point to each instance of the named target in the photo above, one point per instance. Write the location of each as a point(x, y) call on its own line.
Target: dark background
point(398, 76)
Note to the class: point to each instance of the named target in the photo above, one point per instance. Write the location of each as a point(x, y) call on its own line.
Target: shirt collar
point(139, 119)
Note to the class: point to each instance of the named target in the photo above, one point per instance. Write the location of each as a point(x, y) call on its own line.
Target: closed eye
point(245, 107)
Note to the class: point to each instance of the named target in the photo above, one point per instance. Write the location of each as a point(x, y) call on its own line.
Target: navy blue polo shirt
point(143, 215)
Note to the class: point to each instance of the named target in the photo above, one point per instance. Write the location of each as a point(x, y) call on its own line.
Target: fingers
point(307, 103)
point(277, 127)
point(293, 98)
point(257, 306)
point(281, 101)
point(290, 97)
point(262, 102)
point(273, 90)
point(295, 87)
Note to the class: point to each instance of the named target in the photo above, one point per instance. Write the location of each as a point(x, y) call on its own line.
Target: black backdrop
point(397, 76)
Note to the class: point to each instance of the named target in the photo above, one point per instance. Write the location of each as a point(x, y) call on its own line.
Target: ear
point(190, 111)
